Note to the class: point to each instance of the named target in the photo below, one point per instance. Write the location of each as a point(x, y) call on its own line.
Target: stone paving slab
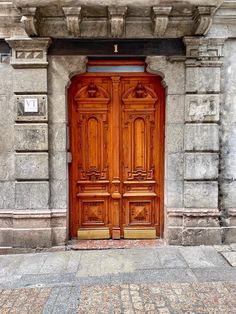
point(230, 257)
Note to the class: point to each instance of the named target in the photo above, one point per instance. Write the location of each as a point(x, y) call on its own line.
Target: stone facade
point(200, 144)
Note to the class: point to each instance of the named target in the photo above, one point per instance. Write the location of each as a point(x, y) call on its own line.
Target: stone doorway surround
point(39, 214)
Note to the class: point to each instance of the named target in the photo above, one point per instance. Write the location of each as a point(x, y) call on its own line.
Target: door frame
point(161, 151)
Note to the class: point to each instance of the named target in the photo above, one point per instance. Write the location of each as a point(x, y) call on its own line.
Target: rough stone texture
point(32, 195)
point(30, 81)
point(58, 194)
point(201, 137)
point(202, 80)
point(202, 108)
point(174, 166)
point(201, 194)
point(174, 138)
point(31, 166)
point(228, 199)
point(173, 73)
point(7, 195)
point(201, 166)
point(174, 194)
point(7, 166)
point(175, 109)
point(206, 236)
point(33, 237)
point(31, 137)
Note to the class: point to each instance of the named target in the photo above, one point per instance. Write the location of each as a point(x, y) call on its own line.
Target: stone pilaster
point(31, 219)
point(201, 223)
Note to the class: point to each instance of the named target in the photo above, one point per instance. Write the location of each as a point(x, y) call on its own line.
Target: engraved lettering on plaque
point(31, 105)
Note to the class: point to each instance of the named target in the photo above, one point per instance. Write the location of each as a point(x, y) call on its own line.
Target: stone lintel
point(160, 19)
point(73, 20)
point(203, 16)
point(117, 20)
point(29, 52)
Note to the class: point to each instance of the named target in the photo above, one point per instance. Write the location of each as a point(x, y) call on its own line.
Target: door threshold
point(114, 244)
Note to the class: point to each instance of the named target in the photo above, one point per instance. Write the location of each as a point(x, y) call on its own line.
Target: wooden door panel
point(139, 173)
point(116, 127)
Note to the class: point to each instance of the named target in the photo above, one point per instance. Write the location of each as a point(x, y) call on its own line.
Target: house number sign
point(30, 105)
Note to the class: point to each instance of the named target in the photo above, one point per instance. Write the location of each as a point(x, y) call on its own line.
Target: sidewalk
point(162, 279)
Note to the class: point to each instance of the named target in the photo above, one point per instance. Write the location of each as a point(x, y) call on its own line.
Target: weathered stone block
point(228, 166)
point(6, 237)
point(174, 236)
point(32, 195)
point(173, 73)
point(202, 108)
point(57, 109)
point(40, 115)
point(30, 80)
point(228, 195)
point(175, 221)
point(228, 137)
point(58, 137)
point(7, 195)
point(175, 166)
point(31, 137)
point(201, 221)
point(7, 166)
point(202, 80)
point(229, 235)
point(201, 137)
point(58, 166)
point(31, 221)
point(6, 138)
point(174, 138)
point(59, 236)
point(174, 194)
point(58, 194)
point(31, 166)
point(6, 76)
point(32, 238)
point(175, 109)
point(60, 69)
point(202, 236)
point(6, 109)
point(201, 194)
point(201, 166)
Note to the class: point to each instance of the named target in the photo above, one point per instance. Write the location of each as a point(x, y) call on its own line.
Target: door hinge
point(69, 157)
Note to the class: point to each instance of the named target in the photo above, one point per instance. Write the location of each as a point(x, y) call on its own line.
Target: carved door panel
point(141, 166)
point(116, 144)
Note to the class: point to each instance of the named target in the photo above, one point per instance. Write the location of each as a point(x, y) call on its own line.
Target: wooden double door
point(116, 123)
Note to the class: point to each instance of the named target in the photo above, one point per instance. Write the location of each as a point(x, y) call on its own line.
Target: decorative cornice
point(117, 20)
point(203, 16)
point(30, 20)
point(160, 19)
point(73, 20)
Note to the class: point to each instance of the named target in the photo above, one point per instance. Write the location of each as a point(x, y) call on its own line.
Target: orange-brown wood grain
point(116, 123)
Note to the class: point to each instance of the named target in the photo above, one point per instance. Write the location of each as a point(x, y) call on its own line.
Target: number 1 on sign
point(116, 48)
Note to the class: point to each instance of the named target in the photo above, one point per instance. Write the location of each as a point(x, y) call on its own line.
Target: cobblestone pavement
point(162, 279)
point(161, 298)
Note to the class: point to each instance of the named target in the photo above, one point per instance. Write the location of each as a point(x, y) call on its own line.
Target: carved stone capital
point(203, 16)
point(117, 20)
point(204, 51)
point(30, 20)
point(29, 52)
point(160, 19)
point(73, 20)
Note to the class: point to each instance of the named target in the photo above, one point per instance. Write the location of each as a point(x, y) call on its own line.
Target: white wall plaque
point(31, 105)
